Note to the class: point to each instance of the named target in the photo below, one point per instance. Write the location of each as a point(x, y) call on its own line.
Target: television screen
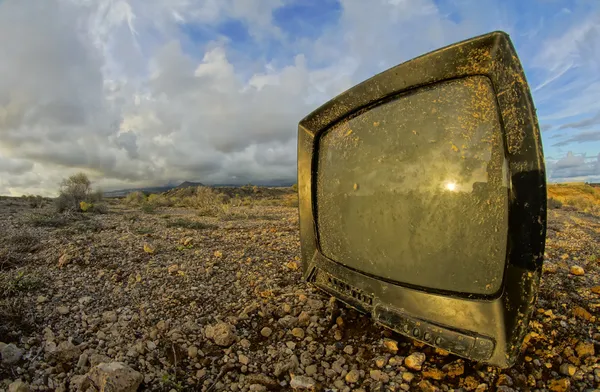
point(415, 189)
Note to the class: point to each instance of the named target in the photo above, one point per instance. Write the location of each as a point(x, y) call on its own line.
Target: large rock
point(18, 386)
point(222, 334)
point(303, 383)
point(415, 361)
point(67, 352)
point(115, 377)
point(10, 353)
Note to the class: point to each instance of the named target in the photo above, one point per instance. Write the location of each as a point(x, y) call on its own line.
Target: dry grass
point(579, 195)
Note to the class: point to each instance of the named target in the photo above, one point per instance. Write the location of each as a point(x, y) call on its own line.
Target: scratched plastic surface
point(416, 190)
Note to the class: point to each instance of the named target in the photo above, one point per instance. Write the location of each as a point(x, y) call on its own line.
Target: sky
point(149, 92)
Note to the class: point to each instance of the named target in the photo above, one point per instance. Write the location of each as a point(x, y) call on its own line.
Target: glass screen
point(414, 190)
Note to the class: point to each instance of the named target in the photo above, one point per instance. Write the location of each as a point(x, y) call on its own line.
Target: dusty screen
point(415, 190)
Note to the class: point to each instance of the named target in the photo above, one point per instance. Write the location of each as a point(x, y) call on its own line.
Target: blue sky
point(145, 92)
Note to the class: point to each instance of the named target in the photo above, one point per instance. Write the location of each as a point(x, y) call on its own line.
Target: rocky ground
point(171, 301)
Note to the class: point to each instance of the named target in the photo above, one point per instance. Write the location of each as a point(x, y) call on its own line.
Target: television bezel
point(503, 316)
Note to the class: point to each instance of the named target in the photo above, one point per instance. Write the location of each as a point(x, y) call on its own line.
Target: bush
point(189, 224)
point(554, 203)
point(100, 208)
point(135, 198)
point(295, 187)
point(34, 201)
point(147, 208)
point(206, 200)
point(159, 200)
point(76, 193)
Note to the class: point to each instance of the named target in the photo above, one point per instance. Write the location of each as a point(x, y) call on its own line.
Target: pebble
point(577, 270)
point(243, 359)
point(221, 333)
point(381, 361)
point(311, 370)
point(302, 383)
point(10, 353)
point(298, 333)
point(426, 386)
point(348, 350)
point(408, 377)
point(18, 386)
point(433, 373)
point(585, 349)
point(109, 316)
point(266, 332)
point(414, 361)
point(62, 310)
point(390, 345)
point(562, 385)
point(41, 299)
point(192, 351)
point(567, 369)
point(353, 376)
point(378, 375)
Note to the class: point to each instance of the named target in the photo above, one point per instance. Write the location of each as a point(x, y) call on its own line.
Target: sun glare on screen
point(451, 186)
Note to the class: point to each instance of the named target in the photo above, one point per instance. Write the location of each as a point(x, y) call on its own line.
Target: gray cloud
point(574, 166)
point(590, 121)
point(582, 137)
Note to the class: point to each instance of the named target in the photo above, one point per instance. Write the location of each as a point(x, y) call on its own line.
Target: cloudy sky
point(145, 92)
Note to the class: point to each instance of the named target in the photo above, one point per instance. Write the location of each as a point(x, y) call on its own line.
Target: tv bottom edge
point(462, 342)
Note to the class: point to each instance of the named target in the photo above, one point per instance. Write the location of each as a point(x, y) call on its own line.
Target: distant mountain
point(188, 184)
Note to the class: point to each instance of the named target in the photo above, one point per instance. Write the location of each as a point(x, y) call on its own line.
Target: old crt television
point(423, 199)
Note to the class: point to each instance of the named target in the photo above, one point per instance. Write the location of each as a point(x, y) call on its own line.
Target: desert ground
point(167, 299)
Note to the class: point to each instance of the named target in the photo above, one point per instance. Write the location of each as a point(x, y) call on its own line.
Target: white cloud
point(116, 88)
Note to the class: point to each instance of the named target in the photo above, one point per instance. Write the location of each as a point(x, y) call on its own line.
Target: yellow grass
point(579, 195)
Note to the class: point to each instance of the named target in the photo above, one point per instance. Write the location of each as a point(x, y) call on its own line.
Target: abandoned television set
point(423, 199)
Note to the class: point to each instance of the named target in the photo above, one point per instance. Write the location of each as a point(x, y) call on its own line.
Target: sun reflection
point(451, 186)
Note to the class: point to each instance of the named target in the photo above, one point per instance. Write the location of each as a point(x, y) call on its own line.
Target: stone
point(311, 370)
point(407, 377)
point(426, 386)
point(62, 310)
point(353, 376)
point(10, 354)
point(381, 362)
point(378, 375)
point(304, 318)
point(109, 316)
point(18, 386)
point(504, 379)
point(41, 299)
point(349, 350)
point(85, 300)
point(577, 270)
point(303, 383)
point(470, 383)
point(562, 385)
point(414, 361)
point(481, 387)
point(455, 369)
point(79, 383)
point(243, 359)
point(568, 369)
point(596, 289)
point(172, 269)
point(585, 349)
point(192, 351)
point(549, 268)
point(582, 313)
point(96, 359)
point(115, 376)
point(82, 361)
point(67, 352)
point(433, 373)
point(390, 345)
point(257, 388)
point(261, 379)
point(222, 334)
point(266, 332)
point(298, 333)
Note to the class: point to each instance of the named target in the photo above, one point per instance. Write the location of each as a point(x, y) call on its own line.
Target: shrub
point(48, 220)
point(159, 200)
point(554, 203)
point(206, 200)
point(75, 190)
point(295, 187)
point(135, 198)
point(147, 208)
point(11, 284)
point(189, 224)
point(34, 201)
point(84, 206)
point(100, 208)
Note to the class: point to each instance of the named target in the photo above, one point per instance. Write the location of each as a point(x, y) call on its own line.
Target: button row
point(465, 345)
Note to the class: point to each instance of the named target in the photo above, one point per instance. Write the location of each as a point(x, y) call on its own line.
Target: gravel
point(235, 314)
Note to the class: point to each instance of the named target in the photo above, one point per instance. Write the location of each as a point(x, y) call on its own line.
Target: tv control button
point(483, 349)
point(406, 328)
point(427, 336)
point(416, 332)
point(438, 341)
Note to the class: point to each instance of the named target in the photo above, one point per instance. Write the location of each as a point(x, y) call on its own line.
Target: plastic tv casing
point(491, 328)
